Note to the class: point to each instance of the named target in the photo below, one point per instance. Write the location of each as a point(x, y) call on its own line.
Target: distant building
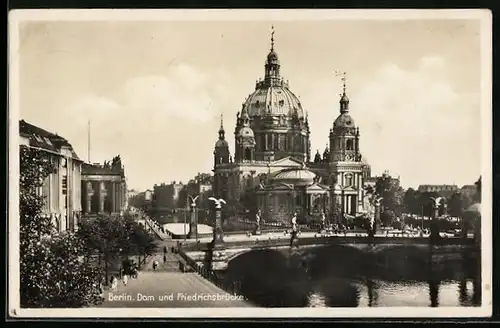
point(168, 195)
point(62, 188)
point(104, 188)
point(443, 190)
point(372, 181)
point(131, 193)
point(148, 195)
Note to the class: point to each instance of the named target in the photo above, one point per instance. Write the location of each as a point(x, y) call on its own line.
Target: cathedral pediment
point(317, 188)
point(287, 162)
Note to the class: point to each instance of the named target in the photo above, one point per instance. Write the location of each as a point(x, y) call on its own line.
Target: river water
point(271, 281)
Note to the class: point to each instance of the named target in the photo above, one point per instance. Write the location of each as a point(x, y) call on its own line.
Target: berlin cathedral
point(272, 169)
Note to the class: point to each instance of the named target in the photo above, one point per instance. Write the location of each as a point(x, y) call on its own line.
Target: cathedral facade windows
point(349, 180)
point(248, 154)
point(349, 144)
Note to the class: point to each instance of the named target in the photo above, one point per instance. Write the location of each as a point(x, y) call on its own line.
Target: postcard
point(250, 163)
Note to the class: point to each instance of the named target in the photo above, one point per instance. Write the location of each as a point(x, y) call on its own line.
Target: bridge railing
point(331, 240)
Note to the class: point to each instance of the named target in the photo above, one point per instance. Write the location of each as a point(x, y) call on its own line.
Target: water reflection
point(273, 280)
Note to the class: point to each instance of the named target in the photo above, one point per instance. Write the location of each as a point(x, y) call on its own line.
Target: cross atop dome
point(272, 38)
point(344, 100)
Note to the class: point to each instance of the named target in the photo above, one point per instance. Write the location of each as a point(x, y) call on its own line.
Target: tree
point(458, 203)
point(52, 272)
point(392, 198)
point(116, 237)
point(411, 201)
point(108, 236)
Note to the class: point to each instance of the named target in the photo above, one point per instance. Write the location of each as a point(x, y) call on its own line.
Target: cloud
point(412, 122)
point(164, 126)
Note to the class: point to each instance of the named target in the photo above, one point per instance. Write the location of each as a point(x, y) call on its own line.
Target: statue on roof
point(116, 163)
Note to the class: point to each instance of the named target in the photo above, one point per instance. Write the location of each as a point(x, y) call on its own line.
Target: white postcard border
point(16, 17)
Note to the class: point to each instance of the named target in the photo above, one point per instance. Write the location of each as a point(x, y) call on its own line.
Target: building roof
point(273, 100)
point(44, 139)
point(296, 176)
point(344, 121)
point(442, 187)
point(96, 169)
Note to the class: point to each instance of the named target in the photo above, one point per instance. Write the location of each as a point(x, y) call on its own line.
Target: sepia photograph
point(250, 163)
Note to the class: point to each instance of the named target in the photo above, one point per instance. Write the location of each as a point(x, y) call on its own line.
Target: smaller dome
point(295, 176)
point(344, 99)
point(246, 132)
point(221, 143)
point(344, 121)
point(272, 56)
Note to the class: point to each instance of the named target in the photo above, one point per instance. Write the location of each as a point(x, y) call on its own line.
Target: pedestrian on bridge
point(293, 235)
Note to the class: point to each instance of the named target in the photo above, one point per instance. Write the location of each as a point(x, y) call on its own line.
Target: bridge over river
point(326, 248)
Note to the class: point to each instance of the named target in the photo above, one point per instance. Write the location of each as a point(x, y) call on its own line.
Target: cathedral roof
point(275, 99)
point(272, 95)
point(246, 132)
point(221, 143)
point(295, 176)
point(344, 121)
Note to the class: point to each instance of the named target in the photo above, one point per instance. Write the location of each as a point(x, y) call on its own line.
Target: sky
point(154, 91)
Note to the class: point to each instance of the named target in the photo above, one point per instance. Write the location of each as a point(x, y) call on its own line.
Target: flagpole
point(88, 141)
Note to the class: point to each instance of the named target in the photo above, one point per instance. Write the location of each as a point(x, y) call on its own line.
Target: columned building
point(62, 188)
point(272, 169)
point(104, 188)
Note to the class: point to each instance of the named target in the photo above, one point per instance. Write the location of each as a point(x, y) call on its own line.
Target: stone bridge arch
point(265, 275)
point(413, 262)
point(336, 260)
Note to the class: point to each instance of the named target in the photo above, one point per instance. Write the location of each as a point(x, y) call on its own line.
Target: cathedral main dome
point(273, 99)
point(275, 117)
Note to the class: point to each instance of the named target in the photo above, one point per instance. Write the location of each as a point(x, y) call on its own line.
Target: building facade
point(442, 190)
point(104, 188)
point(62, 188)
point(272, 168)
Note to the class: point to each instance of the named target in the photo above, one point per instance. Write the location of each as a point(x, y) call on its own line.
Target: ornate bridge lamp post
point(436, 204)
point(218, 231)
point(257, 222)
point(193, 222)
point(376, 216)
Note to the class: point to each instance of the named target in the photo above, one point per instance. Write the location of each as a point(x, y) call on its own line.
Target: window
point(64, 162)
point(269, 142)
point(281, 103)
point(248, 154)
point(65, 185)
point(38, 138)
point(349, 144)
point(47, 140)
point(348, 180)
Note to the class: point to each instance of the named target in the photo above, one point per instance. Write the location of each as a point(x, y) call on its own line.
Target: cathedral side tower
point(345, 165)
point(222, 157)
point(244, 139)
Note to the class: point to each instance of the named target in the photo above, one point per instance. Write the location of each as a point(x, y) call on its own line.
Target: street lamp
point(435, 233)
point(218, 231)
point(193, 223)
